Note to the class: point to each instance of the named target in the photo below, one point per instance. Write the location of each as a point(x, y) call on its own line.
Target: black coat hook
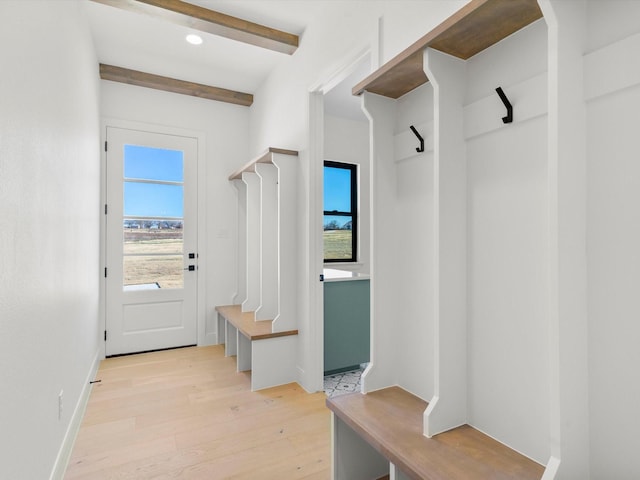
point(421, 147)
point(505, 100)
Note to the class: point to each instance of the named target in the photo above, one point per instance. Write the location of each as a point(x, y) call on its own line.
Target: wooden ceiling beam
point(210, 21)
point(149, 80)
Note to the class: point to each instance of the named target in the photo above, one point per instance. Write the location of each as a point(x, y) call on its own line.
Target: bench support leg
point(352, 457)
point(244, 353)
point(231, 340)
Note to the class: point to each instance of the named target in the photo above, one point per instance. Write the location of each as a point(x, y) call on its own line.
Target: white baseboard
point(309, 387)
point(209, 339)
point(64, 454)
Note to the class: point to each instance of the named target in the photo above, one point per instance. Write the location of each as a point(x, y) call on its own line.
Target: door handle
point(190, 268)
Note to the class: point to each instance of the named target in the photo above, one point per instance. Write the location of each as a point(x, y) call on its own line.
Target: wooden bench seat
point(390, 421)
point(245, 323)
point(270, 356)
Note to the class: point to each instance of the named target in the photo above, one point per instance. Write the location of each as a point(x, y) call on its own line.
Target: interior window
point(340, 212)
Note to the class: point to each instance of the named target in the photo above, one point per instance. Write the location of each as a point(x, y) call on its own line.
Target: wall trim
point(66, 448)
point(609, 69)
point(312, 377)
point(529, 99)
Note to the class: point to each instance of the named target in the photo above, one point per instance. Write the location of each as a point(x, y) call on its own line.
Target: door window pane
point(152, 271)
point(153, 216)
point(153, 200)
point(146, 163)
point(152, 236)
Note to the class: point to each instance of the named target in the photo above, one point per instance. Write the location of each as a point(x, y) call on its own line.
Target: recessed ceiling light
point(194, 39)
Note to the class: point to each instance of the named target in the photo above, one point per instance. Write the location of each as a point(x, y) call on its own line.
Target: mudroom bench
point(379, 435)
point(269, 355)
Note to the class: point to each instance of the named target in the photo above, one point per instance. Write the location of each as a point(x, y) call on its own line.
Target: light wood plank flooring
point(187, 414)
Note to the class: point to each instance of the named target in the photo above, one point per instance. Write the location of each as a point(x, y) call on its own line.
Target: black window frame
point(353, 168)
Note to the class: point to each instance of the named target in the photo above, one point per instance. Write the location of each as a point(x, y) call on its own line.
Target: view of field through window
point(153, 218)
point(338, 225)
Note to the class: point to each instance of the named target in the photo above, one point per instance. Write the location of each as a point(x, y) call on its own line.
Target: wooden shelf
point(390, 420)
point(245, 323)
point(473, 28)
point(264, 158)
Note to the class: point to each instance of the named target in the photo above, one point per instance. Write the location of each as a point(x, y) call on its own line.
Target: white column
point(252, 301)
point(241, 290)
point(385, 284)
point(268, 175)
point(448, 408)
point(568, 322)
point(287, 242)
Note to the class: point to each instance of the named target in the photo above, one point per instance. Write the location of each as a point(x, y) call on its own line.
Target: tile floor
point(341, 383)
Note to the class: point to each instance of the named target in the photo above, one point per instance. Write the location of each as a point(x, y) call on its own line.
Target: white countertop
point(334, 275)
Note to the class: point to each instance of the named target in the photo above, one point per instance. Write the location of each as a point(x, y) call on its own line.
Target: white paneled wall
point(612, 91)
point(507, 242)
point(414, 206)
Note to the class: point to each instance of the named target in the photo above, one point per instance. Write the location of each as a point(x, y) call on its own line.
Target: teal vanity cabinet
point(346, 320)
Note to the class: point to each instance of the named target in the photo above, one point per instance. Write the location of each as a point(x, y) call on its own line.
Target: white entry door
point(151, 240)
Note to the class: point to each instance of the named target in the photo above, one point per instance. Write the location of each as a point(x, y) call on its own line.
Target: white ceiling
point(340, 102)
point(141, 42)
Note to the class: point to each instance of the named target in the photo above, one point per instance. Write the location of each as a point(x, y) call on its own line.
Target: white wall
point(49, 209)
point(507, 255)
point(614, 284)
point(613, 236)
point(347, 141)
point(280, 113)
point(610, 21)
point(415, 246)
point(225, 129)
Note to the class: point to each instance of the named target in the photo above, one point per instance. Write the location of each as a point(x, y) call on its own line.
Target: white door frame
point(201, 218)
point(315, 377)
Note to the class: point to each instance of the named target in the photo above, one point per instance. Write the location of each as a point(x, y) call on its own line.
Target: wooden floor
point(186, 413)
